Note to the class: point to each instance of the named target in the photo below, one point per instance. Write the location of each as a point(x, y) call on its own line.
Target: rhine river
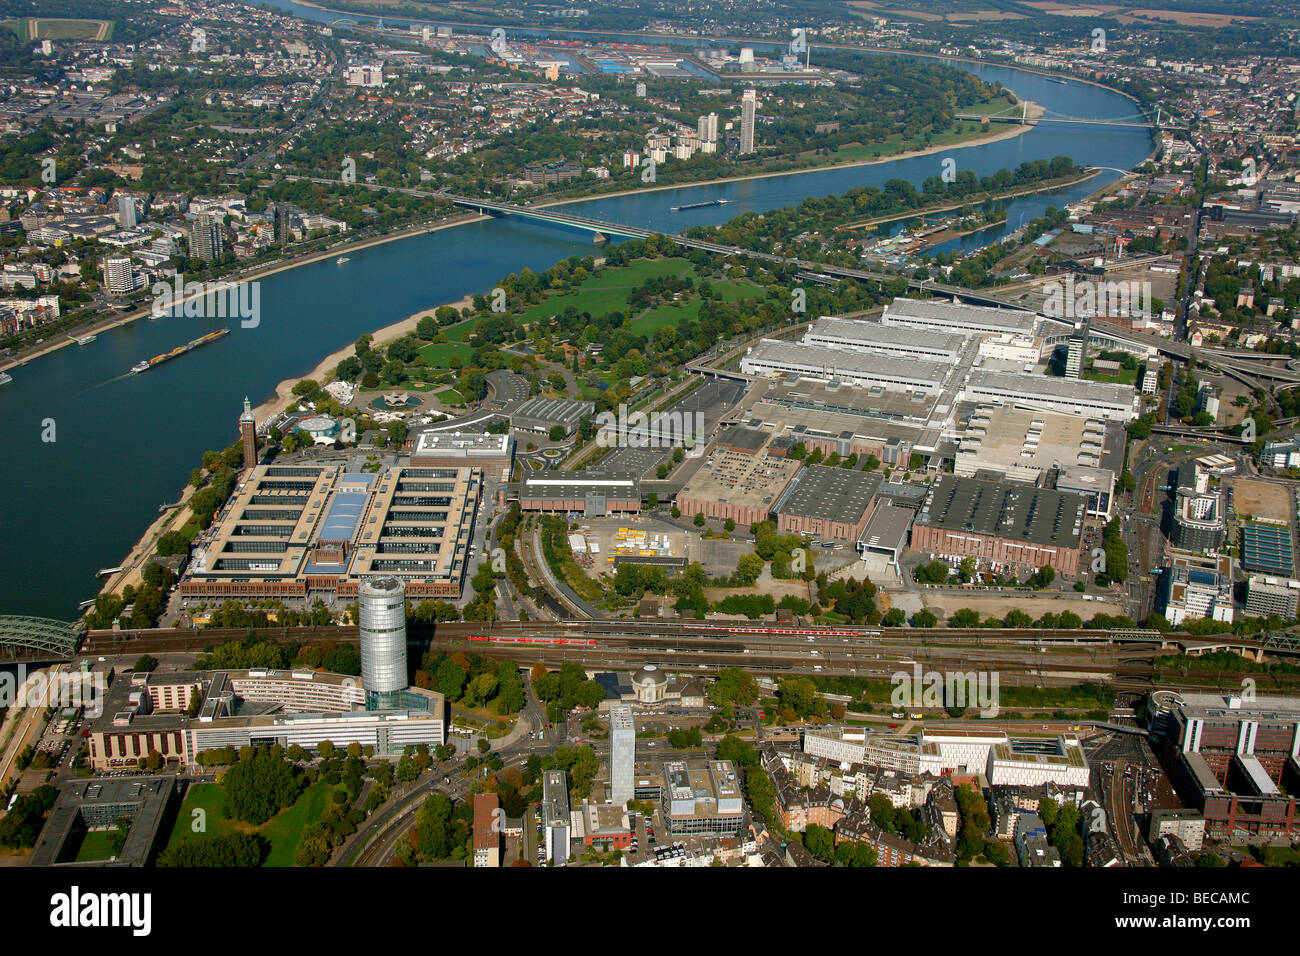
point(125, 444)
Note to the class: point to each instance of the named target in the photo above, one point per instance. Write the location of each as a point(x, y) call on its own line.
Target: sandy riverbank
point(324, 370)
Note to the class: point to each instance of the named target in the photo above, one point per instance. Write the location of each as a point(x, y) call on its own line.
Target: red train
point(808, 631)
point(568, 641)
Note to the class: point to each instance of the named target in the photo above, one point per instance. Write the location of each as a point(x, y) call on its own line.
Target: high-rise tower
point(248, 435)
point(381, 607)
point(205, 238)
point(126, 217)
point(622, 754)
point(748, 104)
point(1076, 356)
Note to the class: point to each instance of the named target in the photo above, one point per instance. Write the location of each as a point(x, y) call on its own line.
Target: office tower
point(205, 238)
point(126, 217)
point(747, 106)
point(1077, 355)
point(118, 277)
point(622, 754)
point(382, 611)
point(248, 435)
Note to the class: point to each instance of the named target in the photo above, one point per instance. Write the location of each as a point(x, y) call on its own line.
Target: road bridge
point(1246, 366)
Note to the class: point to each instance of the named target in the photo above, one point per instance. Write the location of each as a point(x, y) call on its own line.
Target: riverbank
point(673, 40)
point(1012, 131)
point(324, 370)
point(283, 394)
point(976, 200)
point(66, 337)
point(261, 272)
point(173, 519)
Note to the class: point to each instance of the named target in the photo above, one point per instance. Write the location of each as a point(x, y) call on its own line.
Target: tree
point(244, 850)
point(820, 842)
point(406, 769)
point(145, 663)
point(974, 822)
point(699, 519)
point(557, 433)
point(173, 542)
point(799, 694)
point(258, 787)
point(451, 679)
point(924, 618)
point(748, 568)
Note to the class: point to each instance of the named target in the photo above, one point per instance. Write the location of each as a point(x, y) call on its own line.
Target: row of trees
point(250, 652)
point(568, 686)
point(473, 680)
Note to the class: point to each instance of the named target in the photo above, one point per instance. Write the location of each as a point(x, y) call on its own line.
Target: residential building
point(487, 830)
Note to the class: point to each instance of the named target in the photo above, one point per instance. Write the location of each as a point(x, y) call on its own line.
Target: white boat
point(342, 259)
point(5, 379)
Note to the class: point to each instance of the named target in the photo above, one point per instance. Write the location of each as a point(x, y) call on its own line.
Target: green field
point(451, 397)
point(53, 28)
point(661, 315)
point(281, 831)
point(602, 293)
point(439, 355)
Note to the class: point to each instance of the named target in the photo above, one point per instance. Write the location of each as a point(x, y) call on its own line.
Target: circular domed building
point(650, 685)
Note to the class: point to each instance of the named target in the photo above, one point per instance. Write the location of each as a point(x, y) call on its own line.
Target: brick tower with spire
point(248, 435)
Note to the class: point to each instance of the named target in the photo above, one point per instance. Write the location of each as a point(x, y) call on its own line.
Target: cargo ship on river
point(701, 205)
point(179, 350)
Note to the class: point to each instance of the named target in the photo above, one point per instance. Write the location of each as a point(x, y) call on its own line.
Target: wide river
point(124, 444)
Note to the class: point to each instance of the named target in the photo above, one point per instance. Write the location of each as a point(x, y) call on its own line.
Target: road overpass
point(1247, 367)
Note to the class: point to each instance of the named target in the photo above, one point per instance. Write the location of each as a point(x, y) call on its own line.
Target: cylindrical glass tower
point(382, 613)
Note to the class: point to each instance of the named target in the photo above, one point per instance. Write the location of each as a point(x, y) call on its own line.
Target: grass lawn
point(451, 397)
point(439, 355)
point(728, 290)
point(1125, 376)
point(96, 846)
point(601, 293)
point(281, 831)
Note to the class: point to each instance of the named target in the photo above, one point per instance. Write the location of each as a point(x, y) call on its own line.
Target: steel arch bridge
point(22, 636)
